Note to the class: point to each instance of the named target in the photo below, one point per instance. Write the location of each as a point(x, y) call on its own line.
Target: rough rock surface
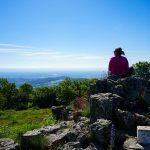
point(103, 105)
point(61, 113)
point(101, 131)
point(72, 135)
point(132, 144)
point(131, 88)
point(8, 144)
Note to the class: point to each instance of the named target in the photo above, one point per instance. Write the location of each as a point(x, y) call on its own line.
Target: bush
point(10, 92)
point(24, 96)
point(2, 101)
point(142, 70)
point(44, 97)
point(36, 142)
point(86, 110)
point(69, 89)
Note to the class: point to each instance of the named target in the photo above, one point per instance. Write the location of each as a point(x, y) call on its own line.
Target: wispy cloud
point(35, 52)
point(31, 57)
point(13, 45)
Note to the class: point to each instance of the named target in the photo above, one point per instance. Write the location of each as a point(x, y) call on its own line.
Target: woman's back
point(118, 65)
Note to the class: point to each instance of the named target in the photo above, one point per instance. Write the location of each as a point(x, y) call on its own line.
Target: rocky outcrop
point(117, 107)
point(69, 136)
point(101, 131)
point(128, 120)
point(103, 105)
point(132, 89)
point(8, 144)
point(45, 136)
point(123, 101)
point(61, 113)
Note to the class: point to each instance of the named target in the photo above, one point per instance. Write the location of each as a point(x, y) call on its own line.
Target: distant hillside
point(37, 81)
point(47, 78)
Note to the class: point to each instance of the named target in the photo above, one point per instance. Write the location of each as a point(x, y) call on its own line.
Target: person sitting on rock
point(118, 65)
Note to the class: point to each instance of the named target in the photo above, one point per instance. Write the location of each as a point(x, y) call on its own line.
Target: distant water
point(45, 78)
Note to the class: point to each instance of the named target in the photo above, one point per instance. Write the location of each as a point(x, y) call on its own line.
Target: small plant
point(86, 110)
point(110, 148)
point(79, 103)
point(35, 143)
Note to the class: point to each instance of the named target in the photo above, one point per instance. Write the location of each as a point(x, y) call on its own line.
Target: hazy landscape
point(47, 78)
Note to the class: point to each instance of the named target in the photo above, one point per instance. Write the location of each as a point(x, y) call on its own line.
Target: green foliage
point(86, 110)
point(142, 69)
point(2, 101)
point(44, 97)
point(69, 89)
point(36, 142)
point(9, 91)
point(66, 91)
point(24, 96)
point(26, 88)
point(13, 98)
point(110, 148)
point(15, 123)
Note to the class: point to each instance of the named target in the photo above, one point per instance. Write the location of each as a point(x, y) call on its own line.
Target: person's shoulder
point(113, 58)
point(123, 57)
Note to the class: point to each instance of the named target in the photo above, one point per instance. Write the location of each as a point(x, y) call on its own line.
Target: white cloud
point(29, 57)
point(13, 45)
point(35, 52)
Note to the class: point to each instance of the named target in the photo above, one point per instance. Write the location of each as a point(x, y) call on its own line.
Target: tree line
point(26, 96)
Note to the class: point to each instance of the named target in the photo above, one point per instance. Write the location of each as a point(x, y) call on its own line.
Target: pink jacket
point(118, 65)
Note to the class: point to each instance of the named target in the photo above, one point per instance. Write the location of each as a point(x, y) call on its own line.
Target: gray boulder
point(60, 138)
point(38, 138)
point(61, 113)
point(99, 87)
point(125, 119)
point(102, 105)
point(119, 90)
point(70, 146)
point(136, 89)
point(8, 144)
point(132, 144)
point(101, 131)
point(128, 120)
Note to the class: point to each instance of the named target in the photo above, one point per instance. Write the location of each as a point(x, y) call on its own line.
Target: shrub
point(142, 69)
point(44, 97)
point(86, 110)
point(2, 101)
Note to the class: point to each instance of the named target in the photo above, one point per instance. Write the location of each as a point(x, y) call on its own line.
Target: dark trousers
point(129, 73)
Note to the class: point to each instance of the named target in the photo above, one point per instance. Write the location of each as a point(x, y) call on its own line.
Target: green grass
point(86, 110)
point(15, 123)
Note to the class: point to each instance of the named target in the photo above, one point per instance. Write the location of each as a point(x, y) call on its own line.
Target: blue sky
point(72, 34)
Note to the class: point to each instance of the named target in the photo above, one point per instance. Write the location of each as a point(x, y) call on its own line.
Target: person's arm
point(109, 67)
point(127, 64)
